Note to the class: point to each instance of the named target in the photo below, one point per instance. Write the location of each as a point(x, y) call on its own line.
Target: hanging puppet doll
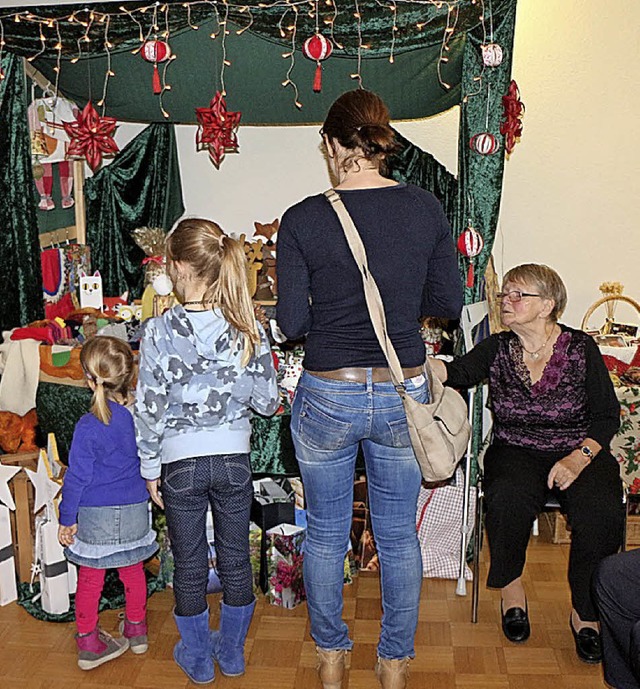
point(49, 143)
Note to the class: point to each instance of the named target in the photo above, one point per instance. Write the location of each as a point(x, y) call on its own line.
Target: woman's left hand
point(566, 470)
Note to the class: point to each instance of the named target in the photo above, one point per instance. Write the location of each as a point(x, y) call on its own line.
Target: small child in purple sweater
point(104, 515)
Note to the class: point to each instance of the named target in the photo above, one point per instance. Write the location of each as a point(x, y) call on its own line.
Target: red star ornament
point(217, 128)
point(91, 136)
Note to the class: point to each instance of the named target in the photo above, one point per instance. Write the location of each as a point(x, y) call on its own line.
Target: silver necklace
point(535, 355)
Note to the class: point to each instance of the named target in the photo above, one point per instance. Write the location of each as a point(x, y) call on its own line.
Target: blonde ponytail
point(108, 363)
point(218, 262)
point(231, 294)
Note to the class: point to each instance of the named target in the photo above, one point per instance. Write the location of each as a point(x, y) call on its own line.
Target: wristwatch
point(586, 451)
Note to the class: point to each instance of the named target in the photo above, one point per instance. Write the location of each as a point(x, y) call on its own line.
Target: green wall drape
point(140, 187)
point(20, 278)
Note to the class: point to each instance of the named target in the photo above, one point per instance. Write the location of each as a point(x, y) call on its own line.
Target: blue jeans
point(329, 420)
point(189, 486)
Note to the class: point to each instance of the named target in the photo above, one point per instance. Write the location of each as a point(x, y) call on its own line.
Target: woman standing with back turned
point(345, 396)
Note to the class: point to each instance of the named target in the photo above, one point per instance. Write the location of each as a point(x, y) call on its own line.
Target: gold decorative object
point(611, 295)
point(253, 252)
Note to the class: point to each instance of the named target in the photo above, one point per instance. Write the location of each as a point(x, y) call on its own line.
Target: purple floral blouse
point(574, 399)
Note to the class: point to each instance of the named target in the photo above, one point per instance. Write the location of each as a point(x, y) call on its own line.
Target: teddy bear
point(18, 433)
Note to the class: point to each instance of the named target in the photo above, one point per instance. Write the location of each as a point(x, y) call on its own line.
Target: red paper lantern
point(91, 136)
point(484, 143)
point(156, 51)
point(317, 48)
point(470, 244)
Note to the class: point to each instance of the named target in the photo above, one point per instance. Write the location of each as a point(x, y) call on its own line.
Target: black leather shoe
point(588, 644)
point(515, 624)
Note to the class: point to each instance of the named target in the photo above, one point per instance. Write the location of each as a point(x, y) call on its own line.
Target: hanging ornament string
point(394, 30)
point(109, 73)
point(291, 55)
point(452, 21)
point(225, 62)
point(358, 73)
point(169, 61)
point(1, 48)
point(317, 48)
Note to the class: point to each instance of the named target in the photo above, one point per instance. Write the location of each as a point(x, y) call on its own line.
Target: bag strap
point(372, 296)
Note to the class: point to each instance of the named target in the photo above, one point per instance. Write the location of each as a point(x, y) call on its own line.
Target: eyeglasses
point(515, 295)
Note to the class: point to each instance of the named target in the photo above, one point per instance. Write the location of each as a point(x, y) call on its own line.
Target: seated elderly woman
point(555, 413)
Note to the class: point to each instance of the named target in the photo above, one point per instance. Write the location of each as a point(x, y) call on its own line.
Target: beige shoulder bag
point(439, 430)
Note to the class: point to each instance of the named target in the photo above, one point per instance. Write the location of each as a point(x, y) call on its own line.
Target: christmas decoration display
point(484, 143)
point(284, 565)
point(8, 588)
point(91, 290)
point(156, 51)
point(511, 125)
point(317, 48)
point(217, 128)
point(50, 563)
point(470, 244)
point(491, 55)
point(267, 281)
point(91, 136)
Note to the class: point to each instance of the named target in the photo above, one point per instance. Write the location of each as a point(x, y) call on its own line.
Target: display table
point(60, 405)
point(626, 444)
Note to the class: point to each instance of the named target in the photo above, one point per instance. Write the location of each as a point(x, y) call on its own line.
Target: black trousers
point(189, 487)
point(617, 592)
point(516, 491)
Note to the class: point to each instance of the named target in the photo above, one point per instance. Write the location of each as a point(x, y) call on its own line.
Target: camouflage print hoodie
point(193, 396)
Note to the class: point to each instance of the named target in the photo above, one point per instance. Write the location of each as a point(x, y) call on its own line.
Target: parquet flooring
point(451, 652)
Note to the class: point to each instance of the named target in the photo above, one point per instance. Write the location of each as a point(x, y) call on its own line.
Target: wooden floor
point(451, 653)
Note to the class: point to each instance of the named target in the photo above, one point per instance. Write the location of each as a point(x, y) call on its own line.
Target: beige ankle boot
point(331, 667)
point(392, 674)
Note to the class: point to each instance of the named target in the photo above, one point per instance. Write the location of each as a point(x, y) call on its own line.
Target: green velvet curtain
point(141, 187)
point(412, 164)
point(20, 277)
point(480, 176)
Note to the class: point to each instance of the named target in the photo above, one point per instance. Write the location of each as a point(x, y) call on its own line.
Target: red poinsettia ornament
point(91, 136)
point(470, 244)
point(317, 48)
point(156, 51)
point(217, 129)
point(511, 125)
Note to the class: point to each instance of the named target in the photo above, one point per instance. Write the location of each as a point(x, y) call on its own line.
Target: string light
point(326, 13)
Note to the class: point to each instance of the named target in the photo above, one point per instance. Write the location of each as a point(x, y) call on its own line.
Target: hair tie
point(99, 380)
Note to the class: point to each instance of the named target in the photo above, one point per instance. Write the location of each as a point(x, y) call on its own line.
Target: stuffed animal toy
point(18, 433)
point(267, 286)
point(112, 305)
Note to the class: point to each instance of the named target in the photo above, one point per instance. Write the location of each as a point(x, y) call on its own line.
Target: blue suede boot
point(228, 643)
point(192, 652)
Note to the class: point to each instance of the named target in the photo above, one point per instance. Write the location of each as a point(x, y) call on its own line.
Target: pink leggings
point(90, 583)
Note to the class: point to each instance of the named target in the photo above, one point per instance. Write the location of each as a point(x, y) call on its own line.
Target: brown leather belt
point(359, 375)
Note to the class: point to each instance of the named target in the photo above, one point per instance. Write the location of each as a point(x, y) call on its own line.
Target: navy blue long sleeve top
point(411, 255)
point(104, 468)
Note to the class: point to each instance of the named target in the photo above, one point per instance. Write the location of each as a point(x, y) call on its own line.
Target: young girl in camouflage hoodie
point(204, 365)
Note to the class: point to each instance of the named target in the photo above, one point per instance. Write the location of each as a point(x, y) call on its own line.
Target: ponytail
point(230, 293)
point(108, 363)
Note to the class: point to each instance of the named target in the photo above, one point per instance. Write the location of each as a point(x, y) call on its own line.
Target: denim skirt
point(116, 536)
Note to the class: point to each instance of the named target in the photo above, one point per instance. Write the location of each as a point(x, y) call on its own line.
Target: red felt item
point(619, 367)
point(43, 334)
point(511, 125)
point(61, 309)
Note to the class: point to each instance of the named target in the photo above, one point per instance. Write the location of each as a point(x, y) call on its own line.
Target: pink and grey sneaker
point(97, 648)
point(136, 634)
